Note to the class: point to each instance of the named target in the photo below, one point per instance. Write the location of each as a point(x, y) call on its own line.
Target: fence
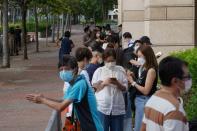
point(54, 123)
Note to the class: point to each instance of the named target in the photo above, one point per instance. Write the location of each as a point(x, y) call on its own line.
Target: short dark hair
point(110, 45)
point(86, 29)
point(112, 39)
point(82, 53)
point(108, 27)
point(67, 34)
point(99, 27)
point(145, 39)
point(138, 41)
point(127, 35)
point(170, 67)
point(69, 61)
point(102, 36)
point(109, 52)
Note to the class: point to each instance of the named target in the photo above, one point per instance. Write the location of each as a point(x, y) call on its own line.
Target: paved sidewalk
point(39, 74)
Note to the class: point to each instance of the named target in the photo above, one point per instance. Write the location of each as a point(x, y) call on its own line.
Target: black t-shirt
point(142, 79)
point(127, 56)
point(91, 68)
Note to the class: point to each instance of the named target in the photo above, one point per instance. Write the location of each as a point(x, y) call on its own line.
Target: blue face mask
point(66, 76)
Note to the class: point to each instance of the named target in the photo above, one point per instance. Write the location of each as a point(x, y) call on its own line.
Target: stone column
point(170, 23)
point(132, 17)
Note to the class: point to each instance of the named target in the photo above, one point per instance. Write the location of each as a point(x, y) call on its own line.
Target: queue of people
point(107, 86)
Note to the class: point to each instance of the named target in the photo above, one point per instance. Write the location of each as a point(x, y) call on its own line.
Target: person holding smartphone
point(110, 81)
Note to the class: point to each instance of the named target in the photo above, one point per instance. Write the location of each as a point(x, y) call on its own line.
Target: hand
point(130, 78)
point(132, 61)
point(106, 82)
point(35, 98)
point(113, 81)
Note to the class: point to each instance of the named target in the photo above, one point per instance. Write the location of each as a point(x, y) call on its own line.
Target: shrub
point(41, 26)
point(30, 26)
point(190, 99)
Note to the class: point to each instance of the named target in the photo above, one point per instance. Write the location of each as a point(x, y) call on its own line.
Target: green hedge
point(30, 26)
point(190, 99)
point(41, 26)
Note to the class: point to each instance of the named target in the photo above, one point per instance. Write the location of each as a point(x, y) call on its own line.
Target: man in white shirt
point(164, 110)
point(110, 82)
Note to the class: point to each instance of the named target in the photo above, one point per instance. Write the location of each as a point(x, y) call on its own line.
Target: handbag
point(71, 123)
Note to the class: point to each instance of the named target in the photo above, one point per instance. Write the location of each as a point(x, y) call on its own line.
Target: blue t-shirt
point(84, 104)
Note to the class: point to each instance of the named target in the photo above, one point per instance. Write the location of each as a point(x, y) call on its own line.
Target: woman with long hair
point(146, 82)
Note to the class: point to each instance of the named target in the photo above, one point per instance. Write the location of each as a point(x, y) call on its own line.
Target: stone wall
point(166, 22)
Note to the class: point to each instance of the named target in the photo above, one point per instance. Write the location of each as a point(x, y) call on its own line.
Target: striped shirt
point(164, 112)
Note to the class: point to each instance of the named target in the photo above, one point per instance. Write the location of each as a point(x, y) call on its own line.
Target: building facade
point(169, 23)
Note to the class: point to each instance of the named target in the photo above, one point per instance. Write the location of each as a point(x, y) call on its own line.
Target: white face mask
point(100, 61)
point(141, 60)
point(110, 64)
point(188, 85)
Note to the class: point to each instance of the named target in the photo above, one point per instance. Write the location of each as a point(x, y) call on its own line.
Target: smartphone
point(113, 79)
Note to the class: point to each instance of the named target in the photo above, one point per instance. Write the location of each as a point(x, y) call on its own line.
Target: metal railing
point(54, 123)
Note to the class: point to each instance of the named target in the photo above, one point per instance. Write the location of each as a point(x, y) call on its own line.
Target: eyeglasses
point(188, 77)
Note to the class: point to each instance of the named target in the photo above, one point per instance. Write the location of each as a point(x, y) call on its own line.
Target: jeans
point(128, 116)
point(140, 102)
point(112, 122)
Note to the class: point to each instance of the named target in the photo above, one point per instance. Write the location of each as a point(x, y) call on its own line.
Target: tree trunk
point(53, 29)
point(195, 25)
point(70, 22)
point(103, 11)
point(24, 30)
point(63, 25)
point(36, 27)
point(6, 58)
point(58, 28)
point(47, 17)
point(67, 21)
point(2, 18)
point(13, 15)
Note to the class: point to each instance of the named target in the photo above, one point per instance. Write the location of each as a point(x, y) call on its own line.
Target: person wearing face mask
point(128, 42)
point(95, 63)
point(134, 61)
point(113, 43)
point(87, 36)
point(83, 56)
point(146, 82)
point(98, 42)
point(164, 111)
point(110, 82)
point(80, 94)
